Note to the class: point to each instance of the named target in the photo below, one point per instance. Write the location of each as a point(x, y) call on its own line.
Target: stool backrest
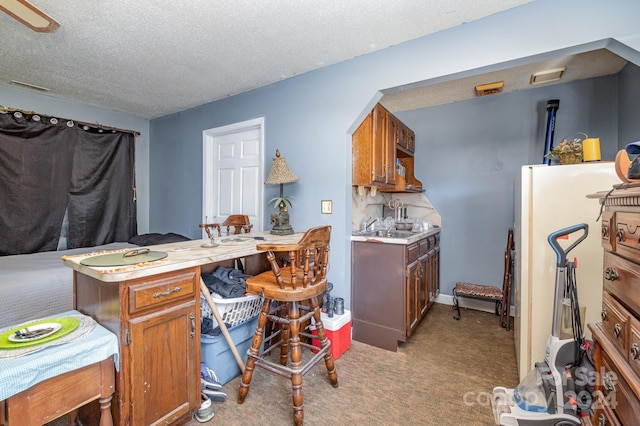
point(307, 261)
point(239, 222)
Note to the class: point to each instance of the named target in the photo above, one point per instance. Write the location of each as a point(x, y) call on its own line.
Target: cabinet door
point(412, 293)
point(424, 295)
point(380, 151)
point(435, 271)
point(164, 363)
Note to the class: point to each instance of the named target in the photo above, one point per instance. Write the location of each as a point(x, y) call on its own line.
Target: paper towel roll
point(591, 149)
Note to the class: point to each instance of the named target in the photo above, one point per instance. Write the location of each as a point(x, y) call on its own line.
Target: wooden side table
point(38, 387)
point(63, 394)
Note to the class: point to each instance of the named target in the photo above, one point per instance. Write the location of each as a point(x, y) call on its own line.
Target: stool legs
point(296, 363)
point(291, 350)
point(322, 338)
point(254, 352)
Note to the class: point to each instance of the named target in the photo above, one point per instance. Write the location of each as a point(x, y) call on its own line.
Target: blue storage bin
point(216, 353)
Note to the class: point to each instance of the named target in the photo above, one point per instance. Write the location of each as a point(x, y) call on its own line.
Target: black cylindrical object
point(552, 108)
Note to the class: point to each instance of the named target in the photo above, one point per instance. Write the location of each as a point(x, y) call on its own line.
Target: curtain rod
point(96, 125)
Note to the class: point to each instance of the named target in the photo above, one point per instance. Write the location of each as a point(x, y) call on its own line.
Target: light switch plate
point(326, 207)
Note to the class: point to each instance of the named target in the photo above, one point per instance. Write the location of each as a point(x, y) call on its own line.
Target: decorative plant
point(567, 146)
point(286, 203)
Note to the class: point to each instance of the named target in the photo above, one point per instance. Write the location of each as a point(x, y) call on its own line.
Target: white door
point(233, 172)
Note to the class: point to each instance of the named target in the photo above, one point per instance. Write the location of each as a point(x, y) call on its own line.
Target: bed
point(39, 284)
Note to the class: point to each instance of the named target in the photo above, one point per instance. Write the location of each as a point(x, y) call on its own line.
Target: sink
point(384, 234)
point(402, 234)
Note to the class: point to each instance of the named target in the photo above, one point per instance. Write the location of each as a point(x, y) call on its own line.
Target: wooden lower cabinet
point(392, 288)
point(156, 319)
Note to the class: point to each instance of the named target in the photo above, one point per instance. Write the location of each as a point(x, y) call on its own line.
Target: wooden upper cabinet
point(377, 143)
point(374, 154)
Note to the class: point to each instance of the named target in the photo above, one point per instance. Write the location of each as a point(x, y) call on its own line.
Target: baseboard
point(469, 303)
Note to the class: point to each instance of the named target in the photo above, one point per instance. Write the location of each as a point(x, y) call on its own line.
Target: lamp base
point(280, 222)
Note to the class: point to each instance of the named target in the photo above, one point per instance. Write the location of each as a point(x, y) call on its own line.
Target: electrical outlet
point(326, 207)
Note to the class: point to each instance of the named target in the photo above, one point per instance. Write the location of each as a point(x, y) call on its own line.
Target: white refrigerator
point(549, 198)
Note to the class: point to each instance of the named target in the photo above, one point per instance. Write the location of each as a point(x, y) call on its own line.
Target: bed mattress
point(39, 284)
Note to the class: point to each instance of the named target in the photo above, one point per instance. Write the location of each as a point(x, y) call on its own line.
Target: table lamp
point(279, 175)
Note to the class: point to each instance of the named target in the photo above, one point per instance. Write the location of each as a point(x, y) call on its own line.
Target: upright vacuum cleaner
point(548, 395)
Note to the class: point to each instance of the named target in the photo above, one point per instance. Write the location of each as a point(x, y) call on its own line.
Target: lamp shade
point(280, 172)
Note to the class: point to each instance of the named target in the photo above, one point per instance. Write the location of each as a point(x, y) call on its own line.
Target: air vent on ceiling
point(489, 89)
point(547, 76)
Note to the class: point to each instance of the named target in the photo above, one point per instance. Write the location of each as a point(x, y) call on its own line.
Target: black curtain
point(49, 166)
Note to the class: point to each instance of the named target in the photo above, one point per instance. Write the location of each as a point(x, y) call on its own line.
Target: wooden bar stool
point(291, 295)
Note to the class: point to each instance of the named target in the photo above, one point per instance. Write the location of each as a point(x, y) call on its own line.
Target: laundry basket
point(233, 311)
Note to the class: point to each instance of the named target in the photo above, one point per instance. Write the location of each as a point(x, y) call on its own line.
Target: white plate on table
point(35, 332)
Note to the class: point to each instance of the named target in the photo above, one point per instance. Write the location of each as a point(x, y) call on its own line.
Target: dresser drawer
point(618, 395)
point(615, 322)
point(604, 416)
point(161, 290)
point(627, 237)
point(622, 279)
point(608, 224)
point(633, 351)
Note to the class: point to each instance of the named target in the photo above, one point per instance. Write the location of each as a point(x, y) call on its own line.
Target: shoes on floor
point(215, 395)
point(209, 378)
point(205, 413)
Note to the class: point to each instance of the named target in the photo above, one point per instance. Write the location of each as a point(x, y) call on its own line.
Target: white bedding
point(39, 284)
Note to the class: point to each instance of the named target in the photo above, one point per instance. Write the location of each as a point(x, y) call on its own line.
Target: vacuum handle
point(561, 253)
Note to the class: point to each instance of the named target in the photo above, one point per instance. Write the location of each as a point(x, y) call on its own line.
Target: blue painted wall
point(469, 153)
point(310, 119)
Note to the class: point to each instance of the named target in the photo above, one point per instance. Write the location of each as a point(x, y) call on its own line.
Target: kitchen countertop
point(181, 255)
point(395, 240)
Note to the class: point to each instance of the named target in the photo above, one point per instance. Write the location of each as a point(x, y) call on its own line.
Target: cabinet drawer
point(615, 322)
point(162, 289)
point(424, 246)
point(622, 279)
point(608, 237)
point(627, 238)
point(413, 252)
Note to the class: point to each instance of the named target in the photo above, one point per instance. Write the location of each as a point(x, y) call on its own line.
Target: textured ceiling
point(591, 64)
point(155, 57)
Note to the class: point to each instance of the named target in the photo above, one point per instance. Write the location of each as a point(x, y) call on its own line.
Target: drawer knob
point(605, 232)
point(616, 330)
point(619, 235)
point(634, 351)
point(167, 293)
point(602, 421)
point(603, 315)
point(607, 382)
point(610, 274)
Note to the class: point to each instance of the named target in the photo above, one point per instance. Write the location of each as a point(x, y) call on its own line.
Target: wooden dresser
point(617, 336)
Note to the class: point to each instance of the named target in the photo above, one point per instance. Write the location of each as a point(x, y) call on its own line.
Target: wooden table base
point(63, 394)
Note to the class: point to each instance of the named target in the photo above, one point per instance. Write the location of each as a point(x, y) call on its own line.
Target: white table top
point(185, 254)
point(20, 373)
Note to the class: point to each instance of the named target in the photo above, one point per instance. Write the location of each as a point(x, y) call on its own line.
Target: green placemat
point(119, 259)
point(68, 325)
